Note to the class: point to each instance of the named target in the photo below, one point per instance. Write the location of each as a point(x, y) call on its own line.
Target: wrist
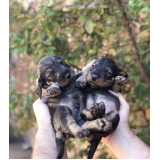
point(46, 127)
point(118, 134)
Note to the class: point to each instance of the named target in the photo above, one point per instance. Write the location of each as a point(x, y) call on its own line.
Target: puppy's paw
point(52, 91)
point(121, 80)
point(81, 82)
point(98, 109)
point(82, 133)
point(104, 125)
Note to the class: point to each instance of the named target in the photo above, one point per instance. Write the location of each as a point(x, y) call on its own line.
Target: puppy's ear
point(120, 72)
point(39, 87)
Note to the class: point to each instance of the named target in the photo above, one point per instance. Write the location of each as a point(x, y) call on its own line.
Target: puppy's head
point(53, 70)
point(102, 72)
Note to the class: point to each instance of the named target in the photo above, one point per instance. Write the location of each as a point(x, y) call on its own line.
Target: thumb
point(120, 97)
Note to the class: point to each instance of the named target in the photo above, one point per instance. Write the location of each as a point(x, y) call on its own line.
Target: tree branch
point(74, 66)
point(135, 48)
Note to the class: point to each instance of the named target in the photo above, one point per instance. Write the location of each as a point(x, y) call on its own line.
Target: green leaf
point(52, 13)
point(82, 19)
point(95, 16)
point(47, 42)
point(19, 96)
point(145, 9)
point(13, 104)
point(29, 98)
point(25, 111)
point(89, 26)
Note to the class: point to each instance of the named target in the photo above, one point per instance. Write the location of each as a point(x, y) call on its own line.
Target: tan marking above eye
point(49, 70)
point(122, 73)
point(109, 70)
point(60, 61)
point(97, 63)
point(49, 83)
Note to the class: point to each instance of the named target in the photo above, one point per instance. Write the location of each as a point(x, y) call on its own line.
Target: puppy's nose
point(67, 74)
point(94, 77)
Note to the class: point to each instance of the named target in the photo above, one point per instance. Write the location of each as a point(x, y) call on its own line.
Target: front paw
point(121, 80)
point(53, 91)
point(104, 125)
point(82, 133)
point(98, 109)
point(81, 82)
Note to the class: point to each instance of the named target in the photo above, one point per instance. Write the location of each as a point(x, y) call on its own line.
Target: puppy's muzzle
point(94, 77)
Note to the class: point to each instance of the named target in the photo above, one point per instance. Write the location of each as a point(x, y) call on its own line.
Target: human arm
point(123, 142)
point(45, 145)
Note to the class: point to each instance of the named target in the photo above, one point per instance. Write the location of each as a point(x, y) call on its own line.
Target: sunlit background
point(77, 31)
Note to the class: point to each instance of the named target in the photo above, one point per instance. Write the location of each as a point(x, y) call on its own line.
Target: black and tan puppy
point(98, 77)
point(66, 101)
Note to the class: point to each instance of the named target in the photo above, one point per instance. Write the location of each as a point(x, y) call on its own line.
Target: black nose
point(67, 74)
point(94, 77)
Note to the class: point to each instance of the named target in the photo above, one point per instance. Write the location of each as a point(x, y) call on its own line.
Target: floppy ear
point(120, 72)
point(39, 87)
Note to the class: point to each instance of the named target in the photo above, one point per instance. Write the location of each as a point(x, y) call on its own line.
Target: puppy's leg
point(60, 140)
point(119, 82)
point(63, 120)
point(77, 131)
point(94, 143)
point(82, 80)
point(86, 115)
point(100, 124)
point(113, 117)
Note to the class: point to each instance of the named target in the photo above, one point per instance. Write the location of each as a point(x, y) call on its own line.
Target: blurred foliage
point(78, 32)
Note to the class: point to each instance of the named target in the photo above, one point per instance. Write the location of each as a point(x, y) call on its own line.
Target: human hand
point(42, 113)
point(123, 142)
point(45, 145)
point(123, 113)
point(124, 109)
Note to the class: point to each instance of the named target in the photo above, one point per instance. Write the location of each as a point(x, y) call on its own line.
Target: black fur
point(99, 76)
point(65, 102)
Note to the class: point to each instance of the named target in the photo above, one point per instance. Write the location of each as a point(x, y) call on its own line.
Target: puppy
point(65, 102)
point(97, 78)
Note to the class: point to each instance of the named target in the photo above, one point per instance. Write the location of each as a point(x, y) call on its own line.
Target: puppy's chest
point(97, 97)
point(73, 99)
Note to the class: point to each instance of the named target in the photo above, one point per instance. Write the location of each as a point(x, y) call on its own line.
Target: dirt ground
point(20, 147)
point(16, 151)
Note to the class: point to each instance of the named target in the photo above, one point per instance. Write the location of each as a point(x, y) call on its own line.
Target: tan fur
point(119, 81)
point(88, 114)
point(99, 82)
point(97, 125)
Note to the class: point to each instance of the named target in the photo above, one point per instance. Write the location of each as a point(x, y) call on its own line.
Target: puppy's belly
point(110, 105)
point(71, 104)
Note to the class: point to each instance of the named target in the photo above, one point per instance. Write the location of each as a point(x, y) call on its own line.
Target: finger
point(44, 99)
point(39, 105)
point(122, 100)
point(114, 93)
point(41, 112)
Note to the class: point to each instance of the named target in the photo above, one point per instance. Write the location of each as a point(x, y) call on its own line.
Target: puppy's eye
point(50, 74)
point(108, 73)
point(93, 65)
point(60, 62)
